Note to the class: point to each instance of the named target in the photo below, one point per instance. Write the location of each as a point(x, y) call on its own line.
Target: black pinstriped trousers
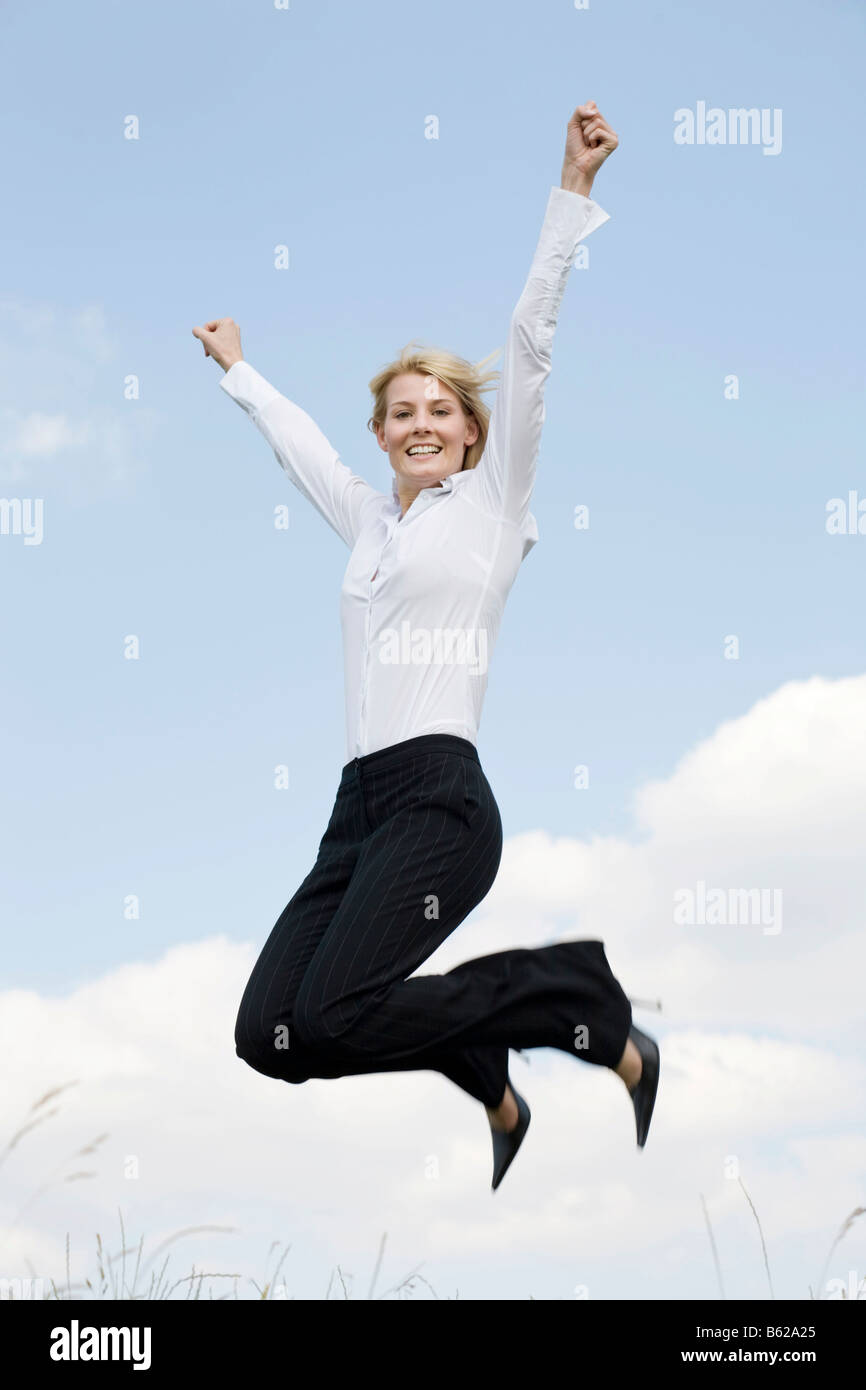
point(412, 846)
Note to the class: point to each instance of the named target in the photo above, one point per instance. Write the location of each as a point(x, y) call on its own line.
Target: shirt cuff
point(574, 213)
point(246, 386)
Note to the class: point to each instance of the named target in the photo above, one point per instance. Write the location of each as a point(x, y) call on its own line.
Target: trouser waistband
point(411, 747)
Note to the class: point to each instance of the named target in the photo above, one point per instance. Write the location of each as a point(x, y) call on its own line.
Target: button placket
point(365, 681)
point(422, 502)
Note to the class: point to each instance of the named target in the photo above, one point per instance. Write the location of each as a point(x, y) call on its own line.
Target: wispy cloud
point(61, 432)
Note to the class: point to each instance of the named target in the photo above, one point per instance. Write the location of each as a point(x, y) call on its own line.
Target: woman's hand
point(588, 142)
point(221, 340)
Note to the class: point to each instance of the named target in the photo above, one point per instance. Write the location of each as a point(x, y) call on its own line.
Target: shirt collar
point(448, 484)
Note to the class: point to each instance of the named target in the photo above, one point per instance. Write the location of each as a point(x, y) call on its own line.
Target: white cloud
point(787, 776)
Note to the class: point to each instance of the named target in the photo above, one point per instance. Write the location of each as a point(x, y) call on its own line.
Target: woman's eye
point(440, 410)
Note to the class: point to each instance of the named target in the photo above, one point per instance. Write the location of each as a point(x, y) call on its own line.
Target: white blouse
point(423, 594)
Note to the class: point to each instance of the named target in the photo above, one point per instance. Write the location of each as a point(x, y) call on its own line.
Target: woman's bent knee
point(263, 1055)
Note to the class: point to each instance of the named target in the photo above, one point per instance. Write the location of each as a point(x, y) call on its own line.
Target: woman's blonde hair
point(466, 379)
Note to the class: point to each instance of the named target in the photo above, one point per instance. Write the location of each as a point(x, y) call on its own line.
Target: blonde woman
point(415, 837)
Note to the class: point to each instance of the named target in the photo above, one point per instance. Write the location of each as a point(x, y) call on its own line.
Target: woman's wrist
point(574, 181)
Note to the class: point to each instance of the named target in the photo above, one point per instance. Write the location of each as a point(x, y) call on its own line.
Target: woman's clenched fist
point(589, 142)
point(221, 340)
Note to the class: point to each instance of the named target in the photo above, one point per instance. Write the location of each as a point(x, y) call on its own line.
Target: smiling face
point(425, 432)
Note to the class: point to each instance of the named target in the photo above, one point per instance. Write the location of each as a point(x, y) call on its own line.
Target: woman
point(415, 837)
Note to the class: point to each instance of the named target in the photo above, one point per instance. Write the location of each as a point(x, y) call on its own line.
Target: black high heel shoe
point(643, 1095)
point(505, 1145)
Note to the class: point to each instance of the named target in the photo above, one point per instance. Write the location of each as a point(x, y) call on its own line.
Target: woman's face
point(424, 411)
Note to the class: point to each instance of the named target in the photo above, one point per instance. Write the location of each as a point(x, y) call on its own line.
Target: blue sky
point(305, 127)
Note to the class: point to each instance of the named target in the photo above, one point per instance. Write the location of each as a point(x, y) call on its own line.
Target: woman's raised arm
point(506, 469)
point(302, 450)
